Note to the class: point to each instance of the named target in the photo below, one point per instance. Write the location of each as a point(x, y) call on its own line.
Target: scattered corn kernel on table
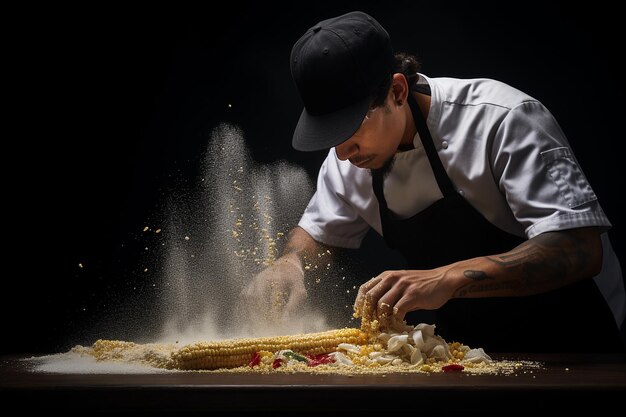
point(566, 383)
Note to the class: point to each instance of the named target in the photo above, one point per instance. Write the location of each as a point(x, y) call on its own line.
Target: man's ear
point(399, 88)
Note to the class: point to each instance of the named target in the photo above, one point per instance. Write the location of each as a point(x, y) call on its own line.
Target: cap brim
point(314, 133)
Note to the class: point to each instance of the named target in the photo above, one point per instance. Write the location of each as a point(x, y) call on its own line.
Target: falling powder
point(234, 225)
point(217, 235)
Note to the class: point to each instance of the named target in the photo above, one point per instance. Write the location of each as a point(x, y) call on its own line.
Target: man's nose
point(346, 150)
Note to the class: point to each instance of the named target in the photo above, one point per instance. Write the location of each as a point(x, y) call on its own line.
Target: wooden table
point(589, 384)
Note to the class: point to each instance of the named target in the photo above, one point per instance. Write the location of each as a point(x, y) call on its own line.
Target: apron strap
point(443, 181)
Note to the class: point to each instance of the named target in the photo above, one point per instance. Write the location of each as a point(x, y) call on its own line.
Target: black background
point(110, 108)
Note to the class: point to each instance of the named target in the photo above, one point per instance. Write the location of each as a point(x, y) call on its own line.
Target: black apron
point(574, 318)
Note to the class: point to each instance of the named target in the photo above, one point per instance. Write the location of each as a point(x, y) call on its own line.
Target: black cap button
point(317, 29)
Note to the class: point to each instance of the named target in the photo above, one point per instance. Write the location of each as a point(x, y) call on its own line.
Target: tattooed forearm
point(550, 260)
point(515, 257)
point(537, 248)
point(560, 254)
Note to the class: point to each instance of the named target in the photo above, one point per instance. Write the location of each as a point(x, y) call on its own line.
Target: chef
point(471, 180)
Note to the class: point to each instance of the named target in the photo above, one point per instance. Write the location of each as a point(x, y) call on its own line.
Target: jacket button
point(462, 193)
point(444, 144)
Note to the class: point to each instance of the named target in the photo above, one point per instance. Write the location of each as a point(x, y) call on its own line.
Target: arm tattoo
point(476, 275)
point(545, 262)
point(471, 287)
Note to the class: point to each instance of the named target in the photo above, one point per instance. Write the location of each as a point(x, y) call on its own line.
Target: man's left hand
point(392, 294)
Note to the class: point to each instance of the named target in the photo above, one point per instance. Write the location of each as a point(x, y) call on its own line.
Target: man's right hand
point(278, 291)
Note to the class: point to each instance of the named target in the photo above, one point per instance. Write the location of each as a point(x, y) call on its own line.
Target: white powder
point(77, 363)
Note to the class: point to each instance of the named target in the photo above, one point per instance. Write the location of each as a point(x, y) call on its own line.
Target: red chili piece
point(256, 359)
point(320, 359)
point(277, 363)
point(453, 367)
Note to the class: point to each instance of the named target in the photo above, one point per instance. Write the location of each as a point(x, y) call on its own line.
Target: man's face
point(378, 138)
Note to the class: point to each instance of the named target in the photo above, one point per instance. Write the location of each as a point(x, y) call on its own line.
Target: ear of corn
point(238, 352)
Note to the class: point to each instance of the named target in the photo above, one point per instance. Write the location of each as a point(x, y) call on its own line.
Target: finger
point(260, 297)
point(363, 289)
point(249, 303)
point(403, 306)
point(277, 297)
point(386, 306)
point(295, 302)
point(259, 292)
point(383, 314)
point(370, 305)
point(248, 291)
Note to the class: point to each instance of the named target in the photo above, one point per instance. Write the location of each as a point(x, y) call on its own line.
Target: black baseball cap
point(337, 65)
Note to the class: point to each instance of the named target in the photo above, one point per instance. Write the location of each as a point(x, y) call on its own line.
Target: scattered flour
point(79, 363)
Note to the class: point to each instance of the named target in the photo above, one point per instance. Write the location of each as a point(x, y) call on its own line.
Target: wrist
point(294, 259)
point(453, 279)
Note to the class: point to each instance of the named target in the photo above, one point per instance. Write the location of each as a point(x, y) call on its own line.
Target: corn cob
point(111, 349)
point(238, 352)
point(153, 354)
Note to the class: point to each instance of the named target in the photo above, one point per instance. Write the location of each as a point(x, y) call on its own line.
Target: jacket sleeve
point(538, 173)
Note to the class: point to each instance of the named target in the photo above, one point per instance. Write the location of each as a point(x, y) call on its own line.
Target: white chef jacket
point(505, 154)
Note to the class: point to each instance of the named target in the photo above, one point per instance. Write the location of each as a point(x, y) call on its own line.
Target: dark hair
point(406, 64)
